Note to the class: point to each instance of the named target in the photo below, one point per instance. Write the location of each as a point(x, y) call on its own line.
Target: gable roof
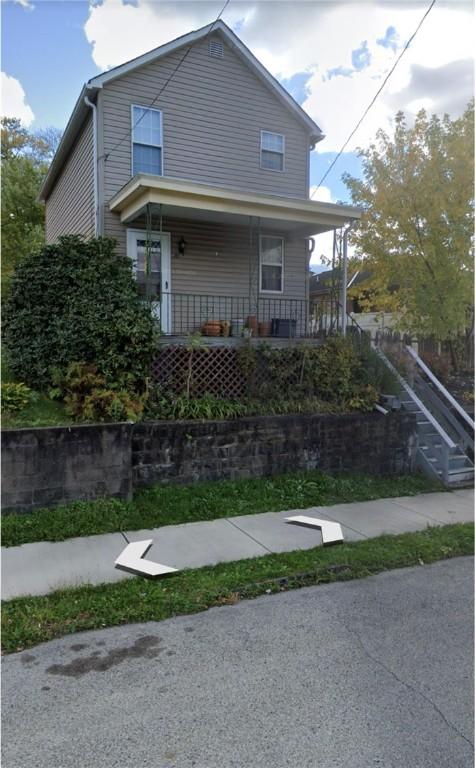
point(92, 87)
point(231, 38)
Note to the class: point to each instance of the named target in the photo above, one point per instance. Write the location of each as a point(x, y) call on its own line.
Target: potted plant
point(212, 328)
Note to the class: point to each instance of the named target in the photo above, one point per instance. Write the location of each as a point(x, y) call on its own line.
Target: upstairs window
point(272, 151)
point(271, 264)
point(146, 141)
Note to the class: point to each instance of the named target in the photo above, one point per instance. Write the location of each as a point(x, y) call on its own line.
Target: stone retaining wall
point(49, 466)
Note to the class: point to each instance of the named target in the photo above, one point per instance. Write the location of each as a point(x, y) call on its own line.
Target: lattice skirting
point(219, 371)
point(215, 371)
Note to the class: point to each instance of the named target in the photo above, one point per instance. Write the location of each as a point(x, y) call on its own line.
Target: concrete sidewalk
point(42, 567)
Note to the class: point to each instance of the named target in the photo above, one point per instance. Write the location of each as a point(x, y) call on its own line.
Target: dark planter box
point(283, 327)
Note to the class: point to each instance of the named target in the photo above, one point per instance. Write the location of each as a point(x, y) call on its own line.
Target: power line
point(128, 133)
point(375, 97)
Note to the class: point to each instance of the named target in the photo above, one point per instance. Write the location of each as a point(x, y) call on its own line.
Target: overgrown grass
point(171, 504)
point(42, 412)
point(28, 621)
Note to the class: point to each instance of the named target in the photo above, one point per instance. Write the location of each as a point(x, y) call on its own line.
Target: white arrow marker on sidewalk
point(331, 532)
point(131, 559)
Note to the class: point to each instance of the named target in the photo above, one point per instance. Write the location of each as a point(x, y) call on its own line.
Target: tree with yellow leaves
point(416, 234)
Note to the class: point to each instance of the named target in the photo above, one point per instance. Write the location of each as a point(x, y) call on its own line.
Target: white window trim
point(144, 144)
point(261, 289)
point(273, 170)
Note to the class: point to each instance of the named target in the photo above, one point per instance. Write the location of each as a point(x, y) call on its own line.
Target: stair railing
point(447, 444)
point(463, 427)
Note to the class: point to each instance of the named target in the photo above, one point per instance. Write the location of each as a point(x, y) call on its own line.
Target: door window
point(148, 266)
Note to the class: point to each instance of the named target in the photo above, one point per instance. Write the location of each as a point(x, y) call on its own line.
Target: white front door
point(156, 274)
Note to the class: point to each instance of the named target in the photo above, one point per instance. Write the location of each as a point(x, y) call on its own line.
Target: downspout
point(94, 155)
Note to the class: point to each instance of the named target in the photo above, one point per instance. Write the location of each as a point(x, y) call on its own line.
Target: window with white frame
point(272, 151)
point(146, 141)
point(271, 264)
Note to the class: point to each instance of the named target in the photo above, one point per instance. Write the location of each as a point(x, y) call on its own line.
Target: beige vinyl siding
point(213, 112)
point(216, 260)
point(70, 206)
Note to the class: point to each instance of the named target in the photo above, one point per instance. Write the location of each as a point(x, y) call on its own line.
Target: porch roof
point(196, 201)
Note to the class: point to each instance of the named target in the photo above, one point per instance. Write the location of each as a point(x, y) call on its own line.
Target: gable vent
point(216, 49)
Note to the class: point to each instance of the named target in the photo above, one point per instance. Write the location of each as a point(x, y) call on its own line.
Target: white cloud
point(323, 251)
point(316, 37)
point(14, 100)
point(323, 243)
point(322, 194)
point(119, 32)
point(25, 4)
point(327, 34)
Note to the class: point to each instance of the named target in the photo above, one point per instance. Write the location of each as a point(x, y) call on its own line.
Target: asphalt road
point(365, 674)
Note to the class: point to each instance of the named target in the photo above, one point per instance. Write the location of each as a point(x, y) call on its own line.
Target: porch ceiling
point(203, 202)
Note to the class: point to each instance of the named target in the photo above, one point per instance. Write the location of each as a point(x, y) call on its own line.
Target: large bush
point(332, 372)
point(77, 301)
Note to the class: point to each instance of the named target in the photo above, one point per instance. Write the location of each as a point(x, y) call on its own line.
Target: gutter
point(72, 129)
point(94, 155)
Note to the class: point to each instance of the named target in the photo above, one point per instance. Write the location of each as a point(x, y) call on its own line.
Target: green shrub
point(78, 300)
point(15, 396)
point(372, 371)
point(167, 405)
point(362, 398)
point(89, 397)
point(334, 369)
point(328, 372)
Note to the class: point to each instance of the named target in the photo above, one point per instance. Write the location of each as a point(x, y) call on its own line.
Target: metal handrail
point(443, 434)
point(444, 413)
point(453, 402)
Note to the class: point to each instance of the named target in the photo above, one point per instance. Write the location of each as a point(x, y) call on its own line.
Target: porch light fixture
point(181, 246)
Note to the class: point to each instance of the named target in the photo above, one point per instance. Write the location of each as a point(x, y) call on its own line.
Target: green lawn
point(43, 412)
point(171, 504)
point(28, 621)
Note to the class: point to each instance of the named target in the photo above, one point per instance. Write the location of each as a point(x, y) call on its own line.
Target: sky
point(330, 55)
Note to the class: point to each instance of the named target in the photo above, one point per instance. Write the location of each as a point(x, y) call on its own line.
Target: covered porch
point(231, 265)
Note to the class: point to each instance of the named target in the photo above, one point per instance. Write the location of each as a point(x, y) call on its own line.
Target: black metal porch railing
point(184, 313)
point(326, 318)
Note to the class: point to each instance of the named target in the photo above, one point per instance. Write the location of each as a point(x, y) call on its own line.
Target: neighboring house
point(325, 303)
point(203, 180)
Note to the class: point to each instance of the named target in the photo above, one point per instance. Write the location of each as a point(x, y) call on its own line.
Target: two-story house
point(196, 160)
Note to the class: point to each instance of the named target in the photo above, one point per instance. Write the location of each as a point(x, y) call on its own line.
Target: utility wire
point(375, 97)
point(128, 133)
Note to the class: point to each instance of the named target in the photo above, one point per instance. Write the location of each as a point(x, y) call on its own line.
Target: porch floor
point(240, 341)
